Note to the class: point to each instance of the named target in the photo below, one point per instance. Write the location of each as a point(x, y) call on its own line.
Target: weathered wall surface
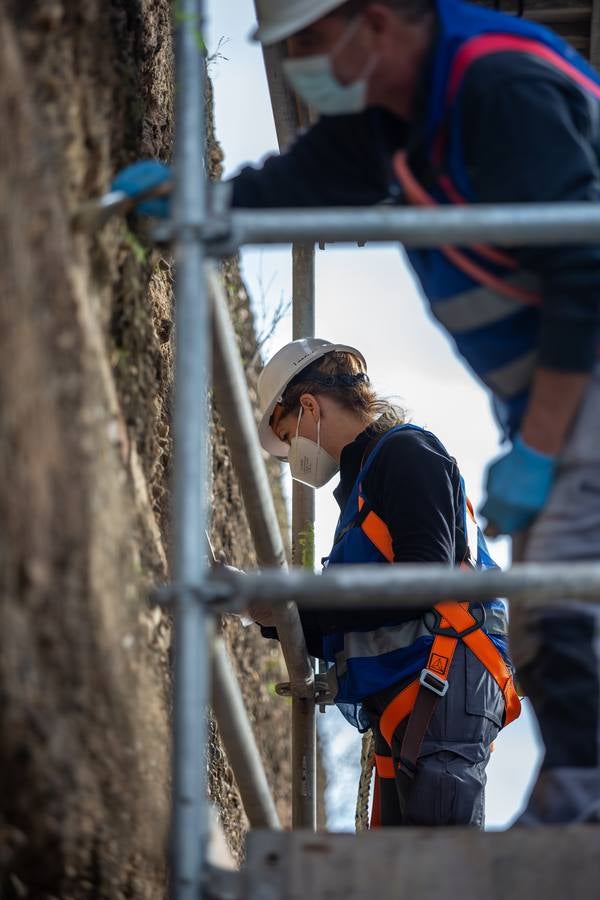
point(86, 349)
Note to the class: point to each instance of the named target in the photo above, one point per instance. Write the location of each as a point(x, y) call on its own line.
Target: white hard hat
point(278, 373)
point(279, 19)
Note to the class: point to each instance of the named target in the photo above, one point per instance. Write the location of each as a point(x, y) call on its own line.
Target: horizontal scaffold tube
point(394, 587)
point(505, 224)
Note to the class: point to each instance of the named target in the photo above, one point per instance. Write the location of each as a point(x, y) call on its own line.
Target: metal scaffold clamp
point(216, 595)
point(322, 690)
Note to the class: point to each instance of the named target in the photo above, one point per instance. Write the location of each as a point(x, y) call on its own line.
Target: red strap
point(418, 196)
point(472, 50)
point(485, 44)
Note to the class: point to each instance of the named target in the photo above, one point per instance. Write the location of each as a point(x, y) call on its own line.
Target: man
point(437, 101)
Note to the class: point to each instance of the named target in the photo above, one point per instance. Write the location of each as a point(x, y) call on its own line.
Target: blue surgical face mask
point(313, 79)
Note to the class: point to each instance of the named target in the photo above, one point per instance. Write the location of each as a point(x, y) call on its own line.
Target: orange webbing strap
point(487, 653)
point(385, 766)
point(433, 684)
point(397, 710)
point(418, 196)
point(457, 616)
point(377, 532)
point(440, 660)
point(443, 647)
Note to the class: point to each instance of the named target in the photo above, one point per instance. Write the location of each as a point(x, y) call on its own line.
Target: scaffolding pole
point(286, 108)
point(233, 402)
point(304, 737)
point(191, 658)
point(240, 746)
point(231, 394)
point(290, 115)
point(507, 225)
point(416, 585)
point(303, 325)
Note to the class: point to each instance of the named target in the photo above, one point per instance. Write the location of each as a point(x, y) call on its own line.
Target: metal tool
point(93, 214)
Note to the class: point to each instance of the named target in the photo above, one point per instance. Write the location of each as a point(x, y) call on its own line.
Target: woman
point(436, 687)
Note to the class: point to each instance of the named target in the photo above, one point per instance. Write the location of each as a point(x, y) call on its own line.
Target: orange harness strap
point(455, 616)
point(377, 532)
point(487, 653)
point(397, 710)
point(439, 662)
point(385, 766)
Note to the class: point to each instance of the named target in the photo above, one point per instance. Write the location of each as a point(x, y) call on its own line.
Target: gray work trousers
point(449, 786)
point(556, 651)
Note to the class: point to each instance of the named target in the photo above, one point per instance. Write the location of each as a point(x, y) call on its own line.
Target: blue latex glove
point(518, 486)
point(142, 176)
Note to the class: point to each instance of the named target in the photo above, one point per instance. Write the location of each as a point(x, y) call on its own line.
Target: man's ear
point(379, 17)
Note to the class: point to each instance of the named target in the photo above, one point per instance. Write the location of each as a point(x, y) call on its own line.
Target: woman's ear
point(310, 404)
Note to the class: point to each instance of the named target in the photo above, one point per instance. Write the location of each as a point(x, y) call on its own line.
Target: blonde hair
point(342, 376)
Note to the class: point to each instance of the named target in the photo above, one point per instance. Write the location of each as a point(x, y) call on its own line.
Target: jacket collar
point(351, 462)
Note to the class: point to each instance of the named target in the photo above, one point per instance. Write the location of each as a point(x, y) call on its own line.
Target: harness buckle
point(433, 682)
point(432, 620)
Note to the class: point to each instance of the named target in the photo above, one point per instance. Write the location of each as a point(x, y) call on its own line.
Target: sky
point(365, 297)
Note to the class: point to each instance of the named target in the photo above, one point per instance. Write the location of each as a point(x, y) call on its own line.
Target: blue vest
point(372, 659)
point(496, 335)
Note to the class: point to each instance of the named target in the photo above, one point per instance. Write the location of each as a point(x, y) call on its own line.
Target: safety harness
point(473, 49)
point(449, 622)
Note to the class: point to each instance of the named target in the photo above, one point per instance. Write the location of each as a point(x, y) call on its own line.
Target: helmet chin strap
point(318, 441)
point(300, 411)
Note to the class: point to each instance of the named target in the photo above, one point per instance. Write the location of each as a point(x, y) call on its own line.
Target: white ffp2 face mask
point(309, 462)
point(313, 79)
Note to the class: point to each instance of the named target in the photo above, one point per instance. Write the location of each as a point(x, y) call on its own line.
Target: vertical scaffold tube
point(304, 763)
point(192, 643)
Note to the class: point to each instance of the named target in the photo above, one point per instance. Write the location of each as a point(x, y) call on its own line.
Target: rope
point(367, 763)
